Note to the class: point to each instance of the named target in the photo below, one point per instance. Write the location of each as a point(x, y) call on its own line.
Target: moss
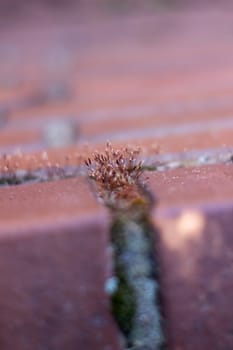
point(117, 235)
point(123, 303)
point(135, 215)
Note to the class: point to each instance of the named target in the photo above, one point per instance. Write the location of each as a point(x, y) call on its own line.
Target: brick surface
point(192, 186)
point(54, 266)
point(195, 254)
point(130, 79)
point(151, 79)
point(193, 243)
point(47, 202)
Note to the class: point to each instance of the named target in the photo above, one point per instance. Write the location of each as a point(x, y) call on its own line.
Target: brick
point(54, 265)
point(46, 202)
point(54, 236)
point(115, 75)
point(193, 245)
point(170, 141)
point(192, 186)
point(194, 250)
point(143, 118)
point(13, 139)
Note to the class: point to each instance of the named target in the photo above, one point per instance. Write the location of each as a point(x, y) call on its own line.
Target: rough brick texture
point(196, 266)
point(54, 266)
point(68, 83)
point(194, 246)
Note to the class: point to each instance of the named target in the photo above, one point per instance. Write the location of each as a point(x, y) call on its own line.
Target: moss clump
point(123, 303)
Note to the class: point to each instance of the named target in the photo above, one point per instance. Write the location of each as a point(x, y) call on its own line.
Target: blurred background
point(74, 74)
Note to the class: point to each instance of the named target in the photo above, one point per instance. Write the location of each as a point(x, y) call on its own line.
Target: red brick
point(194, 250)
point(124, 121)
point(124, 63)
point(46, 202)
point(192, 186)
point(196, 268)
point(17, 138)
point(54, 237)
point(54, 265)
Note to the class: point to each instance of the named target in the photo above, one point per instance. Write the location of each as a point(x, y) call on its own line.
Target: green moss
point(123, 303)
point(117, 236)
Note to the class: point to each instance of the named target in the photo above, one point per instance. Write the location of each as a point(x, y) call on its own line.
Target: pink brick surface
point(54, 265)
point(41, 203)
point(52, 288)
point(194, 247)
point(129, 79)
point(196, 266)
point(192, 186)
point(163, 78)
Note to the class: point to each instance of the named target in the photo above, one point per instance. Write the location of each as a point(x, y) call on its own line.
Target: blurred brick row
point(130, 81)
point(14, 9)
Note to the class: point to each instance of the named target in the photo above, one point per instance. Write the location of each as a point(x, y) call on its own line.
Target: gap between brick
point(135, 302)
point(163, 162)
point(116, 179)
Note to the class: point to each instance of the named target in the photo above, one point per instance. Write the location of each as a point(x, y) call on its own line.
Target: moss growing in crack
point(137, 273)
point(123, 302)
point(116, 180)
point(137, 213)
point(116, 175)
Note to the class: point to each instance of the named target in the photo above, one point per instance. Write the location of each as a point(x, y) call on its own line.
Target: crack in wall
point(135, 302)
point(160, 162)
point(116, 179)
point(22, 176)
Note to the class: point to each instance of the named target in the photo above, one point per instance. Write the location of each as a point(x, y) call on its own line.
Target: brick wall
point(163, 82)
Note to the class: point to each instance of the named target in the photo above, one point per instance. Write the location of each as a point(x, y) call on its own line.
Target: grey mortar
point(133, 254)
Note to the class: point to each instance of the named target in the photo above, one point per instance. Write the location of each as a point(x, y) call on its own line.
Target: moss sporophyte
point(116, 176)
